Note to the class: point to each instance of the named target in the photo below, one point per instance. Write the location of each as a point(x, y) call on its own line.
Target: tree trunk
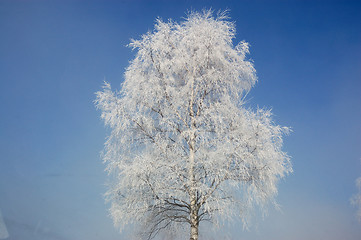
point(194, 231)
point(193, 192)
point(193, 197)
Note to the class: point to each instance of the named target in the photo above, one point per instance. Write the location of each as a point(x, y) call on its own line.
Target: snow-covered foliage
point(183, 146)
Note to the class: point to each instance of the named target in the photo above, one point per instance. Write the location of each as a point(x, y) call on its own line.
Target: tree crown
point(182, 143)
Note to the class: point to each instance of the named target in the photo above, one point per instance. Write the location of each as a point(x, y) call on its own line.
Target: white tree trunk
point(193, 192)
point(193, 196)
point(194, 232)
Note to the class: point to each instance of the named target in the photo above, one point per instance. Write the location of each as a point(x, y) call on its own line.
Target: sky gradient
point(54, 55)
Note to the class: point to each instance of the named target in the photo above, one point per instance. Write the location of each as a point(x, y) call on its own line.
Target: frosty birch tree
point(183, 147)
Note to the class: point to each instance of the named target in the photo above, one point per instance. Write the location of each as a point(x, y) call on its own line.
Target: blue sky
point(54, 55)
